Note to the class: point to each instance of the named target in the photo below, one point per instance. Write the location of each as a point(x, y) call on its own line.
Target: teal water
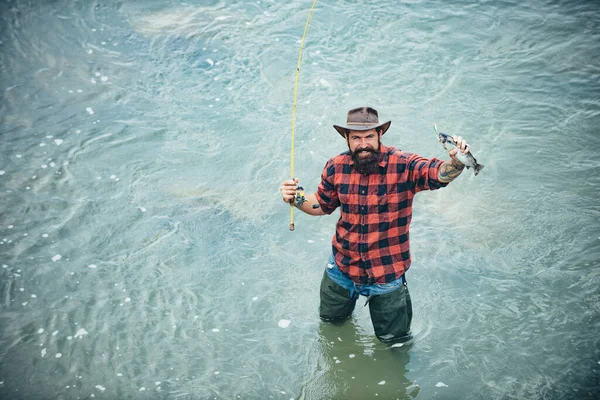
point(145, 249)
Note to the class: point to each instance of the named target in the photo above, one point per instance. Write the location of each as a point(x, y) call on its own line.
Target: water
point(145, 249)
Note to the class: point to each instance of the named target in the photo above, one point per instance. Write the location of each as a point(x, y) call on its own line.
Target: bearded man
point(373, 185)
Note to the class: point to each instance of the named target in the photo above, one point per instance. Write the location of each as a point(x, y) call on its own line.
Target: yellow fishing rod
point(295, 102)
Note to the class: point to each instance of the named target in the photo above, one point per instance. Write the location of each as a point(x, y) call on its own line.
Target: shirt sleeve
point(326, 194)
point(423, 173)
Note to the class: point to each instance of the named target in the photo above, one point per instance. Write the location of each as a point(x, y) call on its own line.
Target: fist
point(288, 190)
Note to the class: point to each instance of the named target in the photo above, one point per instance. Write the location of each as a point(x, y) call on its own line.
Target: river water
point(145, 249)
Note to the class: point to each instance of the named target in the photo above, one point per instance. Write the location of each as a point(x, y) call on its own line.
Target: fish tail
point(478, 168)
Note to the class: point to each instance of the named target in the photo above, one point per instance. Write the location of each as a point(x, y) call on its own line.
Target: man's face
point(364, 148)
point(359, 140)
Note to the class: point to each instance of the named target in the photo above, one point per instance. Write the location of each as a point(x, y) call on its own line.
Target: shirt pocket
point(388, 205)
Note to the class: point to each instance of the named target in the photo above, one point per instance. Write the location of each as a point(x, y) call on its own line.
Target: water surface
point(145, 249)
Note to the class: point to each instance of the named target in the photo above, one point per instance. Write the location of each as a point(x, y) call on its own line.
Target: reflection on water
point(355, 365)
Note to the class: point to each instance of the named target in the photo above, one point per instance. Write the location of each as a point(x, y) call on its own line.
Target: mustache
point(368, 149)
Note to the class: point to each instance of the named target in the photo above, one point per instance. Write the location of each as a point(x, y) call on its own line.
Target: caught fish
point(467, 159)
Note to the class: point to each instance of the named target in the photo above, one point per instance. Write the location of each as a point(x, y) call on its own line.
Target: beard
point(369, 164)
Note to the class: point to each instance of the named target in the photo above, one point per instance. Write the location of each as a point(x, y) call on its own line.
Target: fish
point(467, 159)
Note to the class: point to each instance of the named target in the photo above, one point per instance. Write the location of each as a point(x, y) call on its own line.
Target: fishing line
point(294, 109)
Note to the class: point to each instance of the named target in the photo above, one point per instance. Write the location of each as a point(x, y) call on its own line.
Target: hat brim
point(342, 129)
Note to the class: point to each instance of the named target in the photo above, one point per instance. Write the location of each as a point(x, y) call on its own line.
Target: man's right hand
point(288, 190)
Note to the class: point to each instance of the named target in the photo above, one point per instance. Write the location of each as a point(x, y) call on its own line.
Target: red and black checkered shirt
point(371, 242)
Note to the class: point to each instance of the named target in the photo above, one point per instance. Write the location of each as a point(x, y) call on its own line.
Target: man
point(373, 185)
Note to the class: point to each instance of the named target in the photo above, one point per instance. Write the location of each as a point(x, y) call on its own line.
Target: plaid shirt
point(371, 242)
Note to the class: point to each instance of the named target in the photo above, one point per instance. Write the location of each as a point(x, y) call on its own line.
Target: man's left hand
point(461, 145)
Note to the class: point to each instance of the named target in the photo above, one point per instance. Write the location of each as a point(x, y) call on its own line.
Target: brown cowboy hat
point(362, 119)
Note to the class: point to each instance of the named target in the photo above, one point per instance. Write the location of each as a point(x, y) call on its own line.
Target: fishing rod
point(294, 109)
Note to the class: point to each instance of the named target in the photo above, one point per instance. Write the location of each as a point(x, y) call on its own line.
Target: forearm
point(311, 206)
point(449, 170)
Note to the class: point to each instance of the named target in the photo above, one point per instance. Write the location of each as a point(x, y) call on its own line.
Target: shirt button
point(364, 191)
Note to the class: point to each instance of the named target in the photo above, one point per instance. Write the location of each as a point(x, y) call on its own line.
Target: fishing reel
point(299, 200)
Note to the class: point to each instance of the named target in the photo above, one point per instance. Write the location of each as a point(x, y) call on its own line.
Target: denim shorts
point(390, 305)
point(355, 290)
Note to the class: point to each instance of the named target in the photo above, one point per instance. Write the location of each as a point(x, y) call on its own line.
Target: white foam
point(44, 235)
point(103, 43)
point(44, 352)
point(381, 383)
point(78, 131)
point(58, 355)
point(56, 257)
point(54, 333)
point(44, 166)
point(441, 384)
point(90, 51)
point(58, 142)
point(93, 81)
point(104, 78)
point(211, 62)
point(311, 241)
point(18, 156)
point(52, 164)
point(142, 209)
point(284, 323)
point(11, 226)
point(113, 176)
point(397, 345)
point(49, 136)
point(157, 383)
point(81, 333)
point(97, 73)
point(119, 374)
point(352, 355)
point(89, 110)
point(100, 388)
point(2, 172)
point(92, 266)
point(141, 389)
point(255, 298)
point(41, 330)
point(127, 299)
point(34, 296)
point(42, 144)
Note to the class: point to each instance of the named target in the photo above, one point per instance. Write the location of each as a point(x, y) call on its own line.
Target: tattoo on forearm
point(448, 171)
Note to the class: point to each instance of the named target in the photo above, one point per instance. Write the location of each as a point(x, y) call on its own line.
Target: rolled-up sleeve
point(326, 194)
point(423, 173)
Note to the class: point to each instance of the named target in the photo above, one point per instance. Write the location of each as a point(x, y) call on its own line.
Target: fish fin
point(478, 168)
